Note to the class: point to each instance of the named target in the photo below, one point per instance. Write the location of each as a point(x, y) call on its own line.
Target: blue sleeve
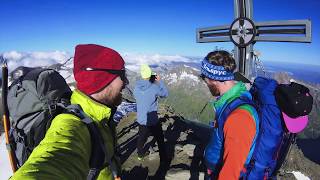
point(212, 154)
point(163, 91)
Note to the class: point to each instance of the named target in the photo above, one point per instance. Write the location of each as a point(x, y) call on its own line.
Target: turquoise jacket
point(64, 153)
point(214, 150)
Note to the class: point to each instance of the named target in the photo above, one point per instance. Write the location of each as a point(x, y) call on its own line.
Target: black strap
point(93, 173)
point(98, 150)
point(284, 150)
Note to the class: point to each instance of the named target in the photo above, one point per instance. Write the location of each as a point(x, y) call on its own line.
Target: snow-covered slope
point(5, 170)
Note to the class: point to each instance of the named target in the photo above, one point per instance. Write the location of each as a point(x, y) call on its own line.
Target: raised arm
point(163, 91)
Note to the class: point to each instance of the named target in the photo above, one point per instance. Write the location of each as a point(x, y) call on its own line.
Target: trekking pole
point(5, 117)
point(200, 112)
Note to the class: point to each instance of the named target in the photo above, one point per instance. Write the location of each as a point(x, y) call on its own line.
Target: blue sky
point(146, 26)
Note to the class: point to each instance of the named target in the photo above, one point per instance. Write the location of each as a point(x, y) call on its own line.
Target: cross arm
point(213, 34)
point(284, 31)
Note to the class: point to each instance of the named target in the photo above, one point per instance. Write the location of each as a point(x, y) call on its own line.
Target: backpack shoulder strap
point(98, 151)
point(234, 104)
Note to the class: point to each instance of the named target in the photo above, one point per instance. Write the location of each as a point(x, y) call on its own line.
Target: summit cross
point(244, 33)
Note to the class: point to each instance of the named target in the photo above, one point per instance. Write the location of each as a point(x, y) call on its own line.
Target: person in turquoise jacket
point(146, 92)
point(65, 151)
point(232, 140)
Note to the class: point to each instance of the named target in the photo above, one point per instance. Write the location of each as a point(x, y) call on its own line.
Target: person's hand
point(157, 78)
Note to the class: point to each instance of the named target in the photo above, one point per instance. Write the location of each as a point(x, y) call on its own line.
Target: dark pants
point(156, 131)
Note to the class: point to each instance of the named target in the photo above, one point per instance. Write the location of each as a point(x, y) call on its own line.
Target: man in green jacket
point(65, 151)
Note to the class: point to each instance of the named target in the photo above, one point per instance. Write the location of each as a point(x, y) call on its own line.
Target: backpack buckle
point(22, 139)
point(214, 124)
point(267, 172)
point(52, 106)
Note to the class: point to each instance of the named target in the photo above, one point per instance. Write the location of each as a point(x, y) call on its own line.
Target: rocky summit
point(185, 142)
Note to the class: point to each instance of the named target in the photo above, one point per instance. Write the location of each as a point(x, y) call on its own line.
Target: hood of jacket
point(95, 110)
point(143, 85)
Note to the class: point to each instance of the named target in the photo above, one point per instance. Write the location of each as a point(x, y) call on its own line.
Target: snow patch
point(299, 176)
point(185, 75)
point(68, 76)
point(195, 69)
point(5, 170)
point(173, 78)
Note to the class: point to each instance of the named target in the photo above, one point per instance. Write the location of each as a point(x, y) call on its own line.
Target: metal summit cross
point(243, 32)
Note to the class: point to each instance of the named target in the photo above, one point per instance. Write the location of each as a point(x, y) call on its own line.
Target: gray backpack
point(35, 97)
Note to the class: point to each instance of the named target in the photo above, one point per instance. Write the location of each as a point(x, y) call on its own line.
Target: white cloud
point(57, 56)
point(152, 59)
point(133, 60)
point(14, 55)
point(34, 59)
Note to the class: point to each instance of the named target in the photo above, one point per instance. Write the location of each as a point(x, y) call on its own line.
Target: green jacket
point(64, 153)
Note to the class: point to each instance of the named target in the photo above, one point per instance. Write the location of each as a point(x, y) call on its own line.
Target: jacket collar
point(233, 93)
point(236, 91)
point(92, 108)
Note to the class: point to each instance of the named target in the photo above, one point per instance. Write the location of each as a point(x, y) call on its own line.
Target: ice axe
point(5, 117)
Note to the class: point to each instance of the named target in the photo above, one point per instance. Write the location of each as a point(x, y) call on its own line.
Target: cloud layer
point(133, 60)
point(34, 59)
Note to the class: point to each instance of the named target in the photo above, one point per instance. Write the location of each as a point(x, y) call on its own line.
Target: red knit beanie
point(95, 56)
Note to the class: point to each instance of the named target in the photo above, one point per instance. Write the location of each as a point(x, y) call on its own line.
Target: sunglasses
point(121, 73)
point(203, 77)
